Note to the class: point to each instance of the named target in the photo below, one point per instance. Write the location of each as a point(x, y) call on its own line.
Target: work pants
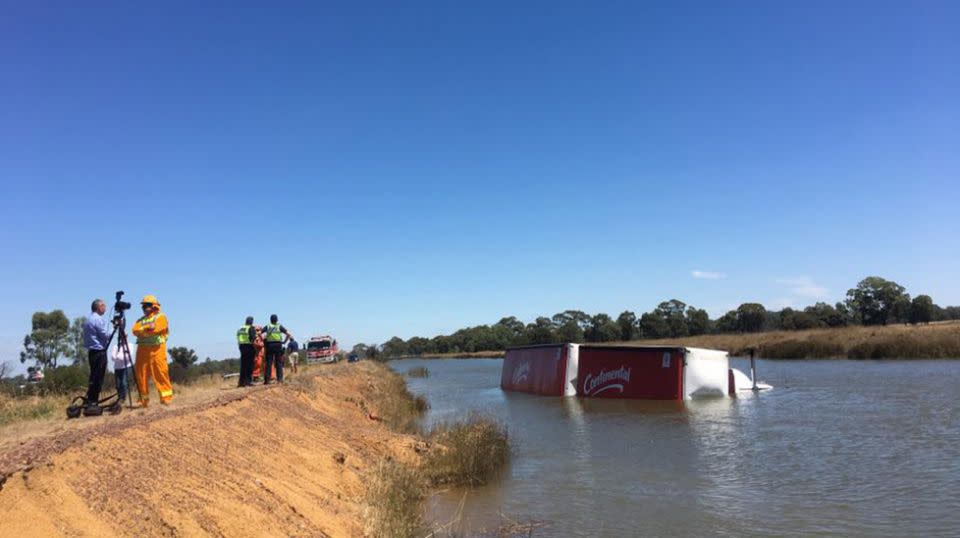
point(98, 368)
point(247, 355)
point(152, 362)
point(274, 357)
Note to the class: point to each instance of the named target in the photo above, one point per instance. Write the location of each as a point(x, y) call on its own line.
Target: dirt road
point(273, 461)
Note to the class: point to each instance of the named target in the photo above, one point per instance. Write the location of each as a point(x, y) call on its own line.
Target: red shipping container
point(630, 372)
point(535, 369)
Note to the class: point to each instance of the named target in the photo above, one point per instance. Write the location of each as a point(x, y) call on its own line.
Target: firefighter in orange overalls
point(151, 331)
point(259, 346)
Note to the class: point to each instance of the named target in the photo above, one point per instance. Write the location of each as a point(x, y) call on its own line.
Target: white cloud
point(804, 286)
point(707, 275)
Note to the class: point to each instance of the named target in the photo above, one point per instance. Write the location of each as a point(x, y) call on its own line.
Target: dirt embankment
point(278, 461)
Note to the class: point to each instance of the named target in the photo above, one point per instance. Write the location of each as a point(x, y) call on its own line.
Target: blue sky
point(372, 170)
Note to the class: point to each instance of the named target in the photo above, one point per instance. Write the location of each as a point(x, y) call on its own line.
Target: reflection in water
point(821, 456)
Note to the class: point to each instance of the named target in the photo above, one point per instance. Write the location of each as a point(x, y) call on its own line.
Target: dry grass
point(933, 341)
point(469, 452)
point(28, 408)
point(397, 406)
point(393, 501)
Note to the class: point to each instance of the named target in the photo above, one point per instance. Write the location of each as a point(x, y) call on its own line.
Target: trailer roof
point(621, 346)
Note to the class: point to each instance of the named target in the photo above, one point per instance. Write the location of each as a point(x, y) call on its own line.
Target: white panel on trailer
point(573, 365)
point(705, 373)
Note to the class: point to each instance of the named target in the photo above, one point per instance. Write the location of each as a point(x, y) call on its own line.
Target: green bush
point(64, 379)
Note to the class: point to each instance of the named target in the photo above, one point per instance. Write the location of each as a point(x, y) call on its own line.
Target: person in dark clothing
point(274, 336)
point(96, 337)
point(293, 353)
point(245, 337)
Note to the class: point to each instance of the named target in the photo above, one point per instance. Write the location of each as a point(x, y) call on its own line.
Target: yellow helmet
point(150, 299)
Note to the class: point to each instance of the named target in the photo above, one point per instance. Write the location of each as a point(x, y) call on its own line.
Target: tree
point(900, 313)
point(394, 347)
point(750, 317)
point(570, 331)
point(792, 320)
point(540, 331)
point(417, 345)
point(921, 309)
point(183, 357)
point(727, 323)
point(582, 319)
point(49, 339)
point(602, 329)
point(627, 321)
point(873, 299)
point(653, 326)
point(515, 327)
point(77, 352)
point(826, 315)
point(672, 314)
point(698, 321)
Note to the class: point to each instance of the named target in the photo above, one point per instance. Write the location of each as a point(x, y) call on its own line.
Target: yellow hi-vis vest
point(273, 333)
point(151, 340)
point(243, 334)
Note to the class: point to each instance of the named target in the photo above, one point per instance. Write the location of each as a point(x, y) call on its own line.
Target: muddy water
point(837, 448)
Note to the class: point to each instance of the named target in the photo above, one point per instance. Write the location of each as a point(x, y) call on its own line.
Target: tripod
point(120, 329)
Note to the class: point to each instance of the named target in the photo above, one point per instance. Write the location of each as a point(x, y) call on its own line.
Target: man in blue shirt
point(96, 338)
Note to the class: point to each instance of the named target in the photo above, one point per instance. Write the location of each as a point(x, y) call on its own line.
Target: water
point(837, 448)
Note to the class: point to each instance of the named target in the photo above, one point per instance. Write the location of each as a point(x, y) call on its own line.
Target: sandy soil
point(271, 461)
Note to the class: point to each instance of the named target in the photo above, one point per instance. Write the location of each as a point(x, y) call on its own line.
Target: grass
point(396, 405)
point(418, 371)
point(468, 453)
point(20, 409)
point(393, 501)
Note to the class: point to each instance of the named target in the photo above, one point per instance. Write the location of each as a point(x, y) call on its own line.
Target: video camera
point(119, 307)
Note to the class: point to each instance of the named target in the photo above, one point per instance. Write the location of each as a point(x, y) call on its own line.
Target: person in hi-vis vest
point(151, 331)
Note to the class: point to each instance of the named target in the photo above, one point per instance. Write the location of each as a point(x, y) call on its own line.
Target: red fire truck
point(322, 349)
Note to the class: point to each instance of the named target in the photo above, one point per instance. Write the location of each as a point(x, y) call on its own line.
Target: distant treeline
point(875, 301)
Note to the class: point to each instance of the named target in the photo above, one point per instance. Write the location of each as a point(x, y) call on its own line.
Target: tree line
point(874, 301)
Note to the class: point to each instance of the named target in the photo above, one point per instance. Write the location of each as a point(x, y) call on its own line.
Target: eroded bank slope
point(281, 461)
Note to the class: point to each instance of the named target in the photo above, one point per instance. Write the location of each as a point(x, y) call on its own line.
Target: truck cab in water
point(322, 349)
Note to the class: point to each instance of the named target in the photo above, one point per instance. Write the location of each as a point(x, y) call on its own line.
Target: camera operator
point(96, 338)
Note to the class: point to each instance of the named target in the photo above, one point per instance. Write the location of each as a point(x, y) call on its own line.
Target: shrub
point(470, 452)
point(64, 379)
